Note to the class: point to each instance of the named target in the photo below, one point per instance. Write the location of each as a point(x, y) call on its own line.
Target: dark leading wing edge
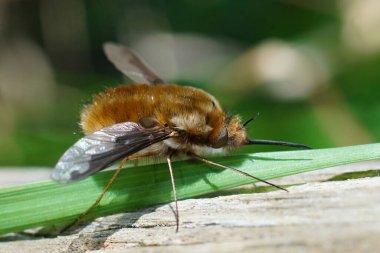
point(102, 148)
point(130, 64)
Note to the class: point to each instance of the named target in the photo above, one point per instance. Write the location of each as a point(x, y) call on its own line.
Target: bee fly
point(150, 118)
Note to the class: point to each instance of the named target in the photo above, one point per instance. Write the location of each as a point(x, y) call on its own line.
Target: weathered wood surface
point(334, 216)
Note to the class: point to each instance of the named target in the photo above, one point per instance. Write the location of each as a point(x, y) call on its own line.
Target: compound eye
point(148, 122)
point(222, 139)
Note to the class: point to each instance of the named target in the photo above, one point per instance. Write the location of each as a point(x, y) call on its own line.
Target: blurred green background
point(310, 68)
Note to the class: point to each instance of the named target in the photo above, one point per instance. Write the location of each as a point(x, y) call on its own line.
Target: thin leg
point(78, 220)
point(199, 158)
point(168, 159)
point(117, 171)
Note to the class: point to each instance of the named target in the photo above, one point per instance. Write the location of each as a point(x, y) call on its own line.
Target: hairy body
point(193, 113)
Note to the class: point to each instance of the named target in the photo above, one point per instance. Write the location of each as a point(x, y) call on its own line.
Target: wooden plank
point(317, 216)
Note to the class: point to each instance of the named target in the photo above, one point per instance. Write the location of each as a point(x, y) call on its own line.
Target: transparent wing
point(127, 61)
point(100, 149)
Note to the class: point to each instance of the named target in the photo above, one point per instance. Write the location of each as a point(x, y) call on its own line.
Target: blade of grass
point(49, 203)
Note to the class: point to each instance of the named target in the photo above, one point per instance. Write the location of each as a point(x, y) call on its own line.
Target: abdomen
point(132, 102)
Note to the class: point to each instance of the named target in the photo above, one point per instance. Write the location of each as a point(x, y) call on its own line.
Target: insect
point(151, 118)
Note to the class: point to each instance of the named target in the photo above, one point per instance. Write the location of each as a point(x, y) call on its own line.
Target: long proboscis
point(276, 143)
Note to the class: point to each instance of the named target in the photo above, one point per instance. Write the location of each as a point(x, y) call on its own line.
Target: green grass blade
point(49, 203)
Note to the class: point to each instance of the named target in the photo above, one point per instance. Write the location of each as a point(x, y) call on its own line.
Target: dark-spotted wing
point(127, 61)
point(102, 148)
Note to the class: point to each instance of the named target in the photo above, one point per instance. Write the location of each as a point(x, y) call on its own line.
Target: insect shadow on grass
point(237, 161)
point(354, 175)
